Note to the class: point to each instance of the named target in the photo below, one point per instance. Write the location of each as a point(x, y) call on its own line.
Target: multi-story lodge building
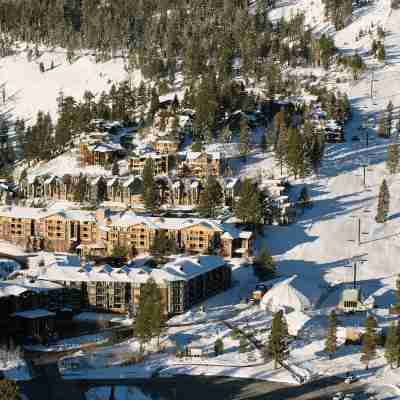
point(201, 164)
point(138, 161)
point(125, 190)
point(183, 282)
point(172, 192)
point(99, 233)
point(166, 146)
point(98, 148)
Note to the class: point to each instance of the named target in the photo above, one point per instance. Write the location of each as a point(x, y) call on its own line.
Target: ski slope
point(34, 90)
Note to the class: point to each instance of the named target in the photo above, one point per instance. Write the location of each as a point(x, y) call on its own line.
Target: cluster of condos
point(99, 233)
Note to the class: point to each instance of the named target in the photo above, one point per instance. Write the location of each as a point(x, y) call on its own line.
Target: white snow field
point(36, 91)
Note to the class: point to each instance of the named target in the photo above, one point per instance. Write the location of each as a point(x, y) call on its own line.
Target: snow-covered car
point(350, 379)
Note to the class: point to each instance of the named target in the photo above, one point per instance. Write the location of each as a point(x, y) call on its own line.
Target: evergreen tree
point(243, 344)
point(331, 337)
point(249, 208)
point(219, 347)
point(210, 198)
point(80, 192)
point(264, 143)
point(392, 345)
point(150, 313)
point(278, 340)
point(369, 342)
point(154, 103)
point(162, 245)
point(382, 131)
point(150, 197)
point(381, 54)
point(296, 161)
point(264, 265)
point(304, 198)
point(392, 161)
point(383, 203)
point(397, 305)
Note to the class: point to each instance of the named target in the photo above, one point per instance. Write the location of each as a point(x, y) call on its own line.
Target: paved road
point(50, 386)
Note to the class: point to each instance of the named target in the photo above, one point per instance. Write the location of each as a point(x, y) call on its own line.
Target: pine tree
point(381, 54)
point(392, 161)
point(243, 344)
point(382, 131)
point(331, 337)
point(244, 138)
point(264, 143)
point(249, 207)
point(150, 313)
point(150, 197)
point(304, 198)
point(218, 347)
point(278, 340)
point(162, 245)
point(397, 305)
point(210, 198)
point(369, 342)
point(296, 160)
point(264, 265)
point(383, 203)
point(392, 345)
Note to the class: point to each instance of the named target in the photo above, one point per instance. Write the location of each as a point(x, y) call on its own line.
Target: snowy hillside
point(36, 91)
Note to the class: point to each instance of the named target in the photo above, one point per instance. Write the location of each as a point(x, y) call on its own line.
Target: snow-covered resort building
point(100, 232)
point(183, 282)
point(201, 164)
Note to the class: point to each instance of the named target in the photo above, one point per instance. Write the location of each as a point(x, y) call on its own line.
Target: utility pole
point(364, 173)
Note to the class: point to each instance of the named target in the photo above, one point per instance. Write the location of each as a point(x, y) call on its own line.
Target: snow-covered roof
point(180, 269)
point(130, 218)
point(24, 212)
point(285, 296)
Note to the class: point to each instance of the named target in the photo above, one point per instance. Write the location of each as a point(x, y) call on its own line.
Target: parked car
point(350, 379)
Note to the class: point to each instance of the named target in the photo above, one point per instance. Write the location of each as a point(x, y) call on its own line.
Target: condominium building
point(183, 282)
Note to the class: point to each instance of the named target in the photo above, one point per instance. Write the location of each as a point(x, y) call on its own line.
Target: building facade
point(183, 282)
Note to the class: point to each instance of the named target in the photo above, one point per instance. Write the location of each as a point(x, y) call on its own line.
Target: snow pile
point(285, 296)
point(296, 320)
point(103, 317)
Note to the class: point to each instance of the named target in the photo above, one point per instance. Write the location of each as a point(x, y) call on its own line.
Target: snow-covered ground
point(70, 344)
point(24, 79)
